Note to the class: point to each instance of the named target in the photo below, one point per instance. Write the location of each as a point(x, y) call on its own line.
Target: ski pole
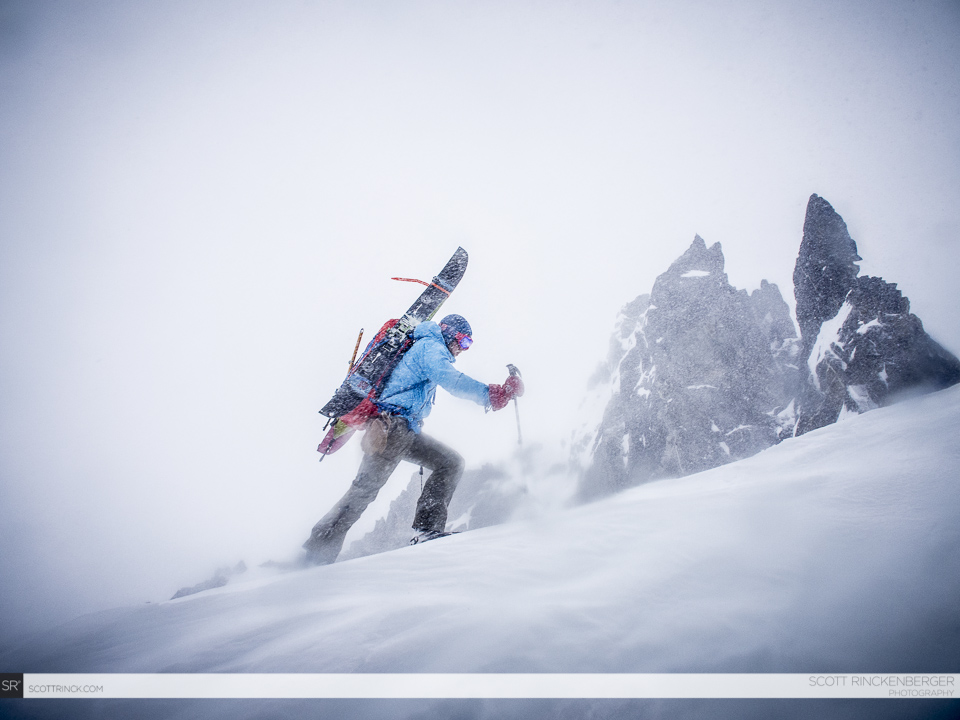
point(514, 371)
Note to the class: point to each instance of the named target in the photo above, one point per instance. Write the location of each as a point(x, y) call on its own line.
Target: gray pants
point(445, 464)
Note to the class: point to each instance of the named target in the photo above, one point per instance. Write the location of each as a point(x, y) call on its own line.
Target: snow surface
point(835, 552)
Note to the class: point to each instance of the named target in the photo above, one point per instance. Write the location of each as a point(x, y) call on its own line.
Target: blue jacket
point(412, 387)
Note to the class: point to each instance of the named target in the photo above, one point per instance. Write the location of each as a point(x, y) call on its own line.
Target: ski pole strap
point(423, 282)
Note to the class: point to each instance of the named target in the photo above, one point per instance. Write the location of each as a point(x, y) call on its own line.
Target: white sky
point(202, 202)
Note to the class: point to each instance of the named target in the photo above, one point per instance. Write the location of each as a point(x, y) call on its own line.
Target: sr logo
point(11, 685)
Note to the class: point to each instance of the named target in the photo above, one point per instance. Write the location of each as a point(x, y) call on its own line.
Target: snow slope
point(838, 551)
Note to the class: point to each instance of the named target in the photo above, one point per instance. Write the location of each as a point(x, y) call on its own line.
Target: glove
point(501, 395)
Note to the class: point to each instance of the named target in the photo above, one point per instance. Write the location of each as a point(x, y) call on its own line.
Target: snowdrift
point(835, 552)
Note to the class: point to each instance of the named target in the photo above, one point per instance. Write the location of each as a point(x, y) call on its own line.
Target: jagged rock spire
point(826, 268)
point(861, 347)
point(694, 378)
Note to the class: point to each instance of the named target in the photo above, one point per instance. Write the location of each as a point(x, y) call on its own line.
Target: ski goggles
point(464, 341)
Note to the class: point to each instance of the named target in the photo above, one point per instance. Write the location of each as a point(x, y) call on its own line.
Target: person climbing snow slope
point(395, 435)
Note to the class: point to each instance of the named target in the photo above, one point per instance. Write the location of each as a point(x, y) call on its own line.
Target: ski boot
point(425, 535)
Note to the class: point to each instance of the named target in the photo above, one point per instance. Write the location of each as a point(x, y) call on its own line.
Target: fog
point(202, 203)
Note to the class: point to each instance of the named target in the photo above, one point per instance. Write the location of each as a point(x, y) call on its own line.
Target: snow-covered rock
point(861, 347)
point(698, 374)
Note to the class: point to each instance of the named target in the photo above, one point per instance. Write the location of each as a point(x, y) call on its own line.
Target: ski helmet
point(455, 328)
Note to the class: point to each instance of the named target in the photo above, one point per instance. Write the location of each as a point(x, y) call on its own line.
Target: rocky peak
point(694, 380)
point(698, 260)
point(826, 268)
point(700, 374)
point(861, 346)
